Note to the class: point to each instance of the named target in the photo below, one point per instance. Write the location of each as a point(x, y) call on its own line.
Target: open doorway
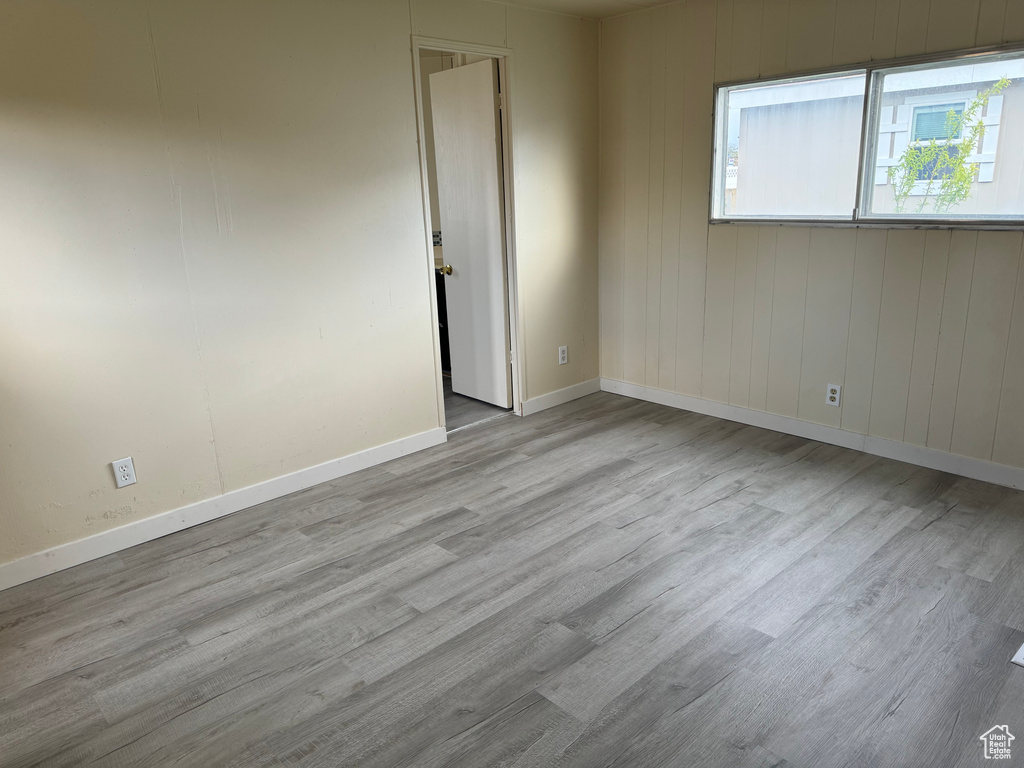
point(465, 153)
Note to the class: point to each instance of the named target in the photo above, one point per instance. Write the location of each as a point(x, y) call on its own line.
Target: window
point(792, 147)
point(934, 142)
point(944, 143)
point(940, 122)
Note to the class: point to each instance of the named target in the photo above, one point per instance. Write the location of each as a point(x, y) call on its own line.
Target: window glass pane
point(789, 149)
point(947, 140)
point(939, 121)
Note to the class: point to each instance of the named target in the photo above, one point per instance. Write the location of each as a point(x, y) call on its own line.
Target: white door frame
point(516, 335)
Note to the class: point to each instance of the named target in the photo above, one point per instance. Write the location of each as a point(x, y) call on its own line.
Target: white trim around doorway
point(516, 334)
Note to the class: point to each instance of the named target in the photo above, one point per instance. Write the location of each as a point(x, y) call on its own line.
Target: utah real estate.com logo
point(997, 742)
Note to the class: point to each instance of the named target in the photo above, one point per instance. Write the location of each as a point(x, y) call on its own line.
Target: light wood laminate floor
point(608, 583)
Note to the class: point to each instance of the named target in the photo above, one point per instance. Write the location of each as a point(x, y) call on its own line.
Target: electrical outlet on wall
point(124, 472)
point(563, 355)
point(833, 393)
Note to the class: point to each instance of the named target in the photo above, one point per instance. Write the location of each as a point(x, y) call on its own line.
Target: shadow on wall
point(213, 254)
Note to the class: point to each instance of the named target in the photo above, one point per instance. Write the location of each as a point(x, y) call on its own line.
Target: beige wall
point(925, 330)
point(555, 131)
point(213, 255)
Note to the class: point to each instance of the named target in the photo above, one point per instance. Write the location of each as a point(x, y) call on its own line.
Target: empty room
point(570, 383)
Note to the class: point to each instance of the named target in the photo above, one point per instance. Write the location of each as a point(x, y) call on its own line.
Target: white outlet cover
point(833, 395)
point(563, 355)
point(124, 472)
point(1019, 658)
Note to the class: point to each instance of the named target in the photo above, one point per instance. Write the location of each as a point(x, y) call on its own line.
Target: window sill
point(874, 223)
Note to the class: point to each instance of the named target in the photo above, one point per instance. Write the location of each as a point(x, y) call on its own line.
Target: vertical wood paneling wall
point(924, 329)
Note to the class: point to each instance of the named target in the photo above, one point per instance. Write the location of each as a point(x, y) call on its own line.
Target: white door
point(467, 145)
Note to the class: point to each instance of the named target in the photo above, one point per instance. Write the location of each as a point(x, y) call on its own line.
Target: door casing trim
point(515, 314)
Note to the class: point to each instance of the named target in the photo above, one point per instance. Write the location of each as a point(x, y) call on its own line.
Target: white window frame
point(874, 171)
point(722, 180)
point(898, 122)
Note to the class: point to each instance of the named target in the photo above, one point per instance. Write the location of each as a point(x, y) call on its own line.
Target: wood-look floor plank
point(606, 583)
point(776, 606)
point(688, 674)
point(461, 411)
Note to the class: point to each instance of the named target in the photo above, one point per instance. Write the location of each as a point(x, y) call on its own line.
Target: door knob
point(447, 269)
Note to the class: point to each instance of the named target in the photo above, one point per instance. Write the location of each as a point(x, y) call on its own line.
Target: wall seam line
point(849, 333)
point(967, 321)
point(753, 321)
point(913, 348)
point(661, 223)
point(622, 261)
point(835, 23)
point(600, 175)
point(849, 324)
point(874, 28)
point(878, 331)
point(771, 316)
point(1006, 352)
point(647, 206)
point(927, 28)
point(935, 365)
point(803, 328)
point(682, 196)
point(899, 19)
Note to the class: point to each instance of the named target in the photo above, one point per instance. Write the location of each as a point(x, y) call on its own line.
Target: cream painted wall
point(555, 131)
point(925, 329)
point(214, 258)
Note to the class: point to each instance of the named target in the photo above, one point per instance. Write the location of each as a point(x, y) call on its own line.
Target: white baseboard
point(560, 396)
point(978, 469)
point(101, 544)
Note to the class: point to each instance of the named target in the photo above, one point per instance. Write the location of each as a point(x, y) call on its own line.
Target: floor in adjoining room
point(607, 583)
point(461, 411)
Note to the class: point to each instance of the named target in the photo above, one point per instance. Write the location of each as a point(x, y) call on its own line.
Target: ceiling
point(595, 9)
